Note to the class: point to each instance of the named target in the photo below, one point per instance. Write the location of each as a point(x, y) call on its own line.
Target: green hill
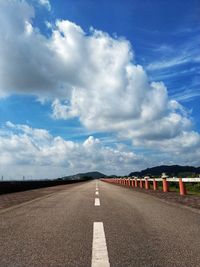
point(171, 170)
point(86, 175)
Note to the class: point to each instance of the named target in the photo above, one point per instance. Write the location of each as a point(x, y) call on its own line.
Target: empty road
point(100, 225)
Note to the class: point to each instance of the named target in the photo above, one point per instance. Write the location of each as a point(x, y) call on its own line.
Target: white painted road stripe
point(97, 202)
point(99, 247)
point(96, 192)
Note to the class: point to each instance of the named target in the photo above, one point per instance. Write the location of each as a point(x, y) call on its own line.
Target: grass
point(191, 188)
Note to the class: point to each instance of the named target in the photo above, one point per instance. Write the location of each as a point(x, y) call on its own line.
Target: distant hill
point(86, 175)
point(171, 170)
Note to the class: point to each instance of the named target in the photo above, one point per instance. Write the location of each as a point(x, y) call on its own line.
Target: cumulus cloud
point(62, 111)
point(90, 75)
point(45, 3)
point(35, 152)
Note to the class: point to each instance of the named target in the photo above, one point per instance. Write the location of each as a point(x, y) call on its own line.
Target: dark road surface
point(139, 230)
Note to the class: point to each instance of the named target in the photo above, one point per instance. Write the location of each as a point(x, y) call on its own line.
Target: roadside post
point(165, 182)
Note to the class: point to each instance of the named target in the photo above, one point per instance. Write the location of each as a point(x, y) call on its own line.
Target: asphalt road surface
point(100, 225)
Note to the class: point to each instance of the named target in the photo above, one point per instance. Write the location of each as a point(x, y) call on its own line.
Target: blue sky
point(99, 85)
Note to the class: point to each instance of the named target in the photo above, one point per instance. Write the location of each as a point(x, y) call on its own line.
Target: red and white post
point(155, 185)
point(146, 184)
point(182, 187)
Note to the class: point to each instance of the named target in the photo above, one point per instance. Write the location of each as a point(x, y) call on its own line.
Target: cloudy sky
point(87, 85)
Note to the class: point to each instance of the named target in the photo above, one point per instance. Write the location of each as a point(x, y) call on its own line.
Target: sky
point(86, 85)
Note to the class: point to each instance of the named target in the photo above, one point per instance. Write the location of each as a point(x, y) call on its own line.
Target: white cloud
point(167, 63)
point(45, 3)
point(187, 93)
point(183, 149)
point(35, 152)
point(61, 111)
point(91, 76)
point(171, 57)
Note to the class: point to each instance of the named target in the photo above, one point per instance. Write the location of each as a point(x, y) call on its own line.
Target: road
point(120, 228)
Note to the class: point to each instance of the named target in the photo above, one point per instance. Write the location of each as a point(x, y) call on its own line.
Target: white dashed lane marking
point(97, 193)
point(99, 247)
point(97, 202)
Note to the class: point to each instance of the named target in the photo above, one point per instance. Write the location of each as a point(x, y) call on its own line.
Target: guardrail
point(145, 182)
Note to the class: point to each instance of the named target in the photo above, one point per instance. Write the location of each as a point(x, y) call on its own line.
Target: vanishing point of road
point(100, 225)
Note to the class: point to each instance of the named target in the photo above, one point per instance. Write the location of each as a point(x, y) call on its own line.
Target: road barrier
point(145, 182)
